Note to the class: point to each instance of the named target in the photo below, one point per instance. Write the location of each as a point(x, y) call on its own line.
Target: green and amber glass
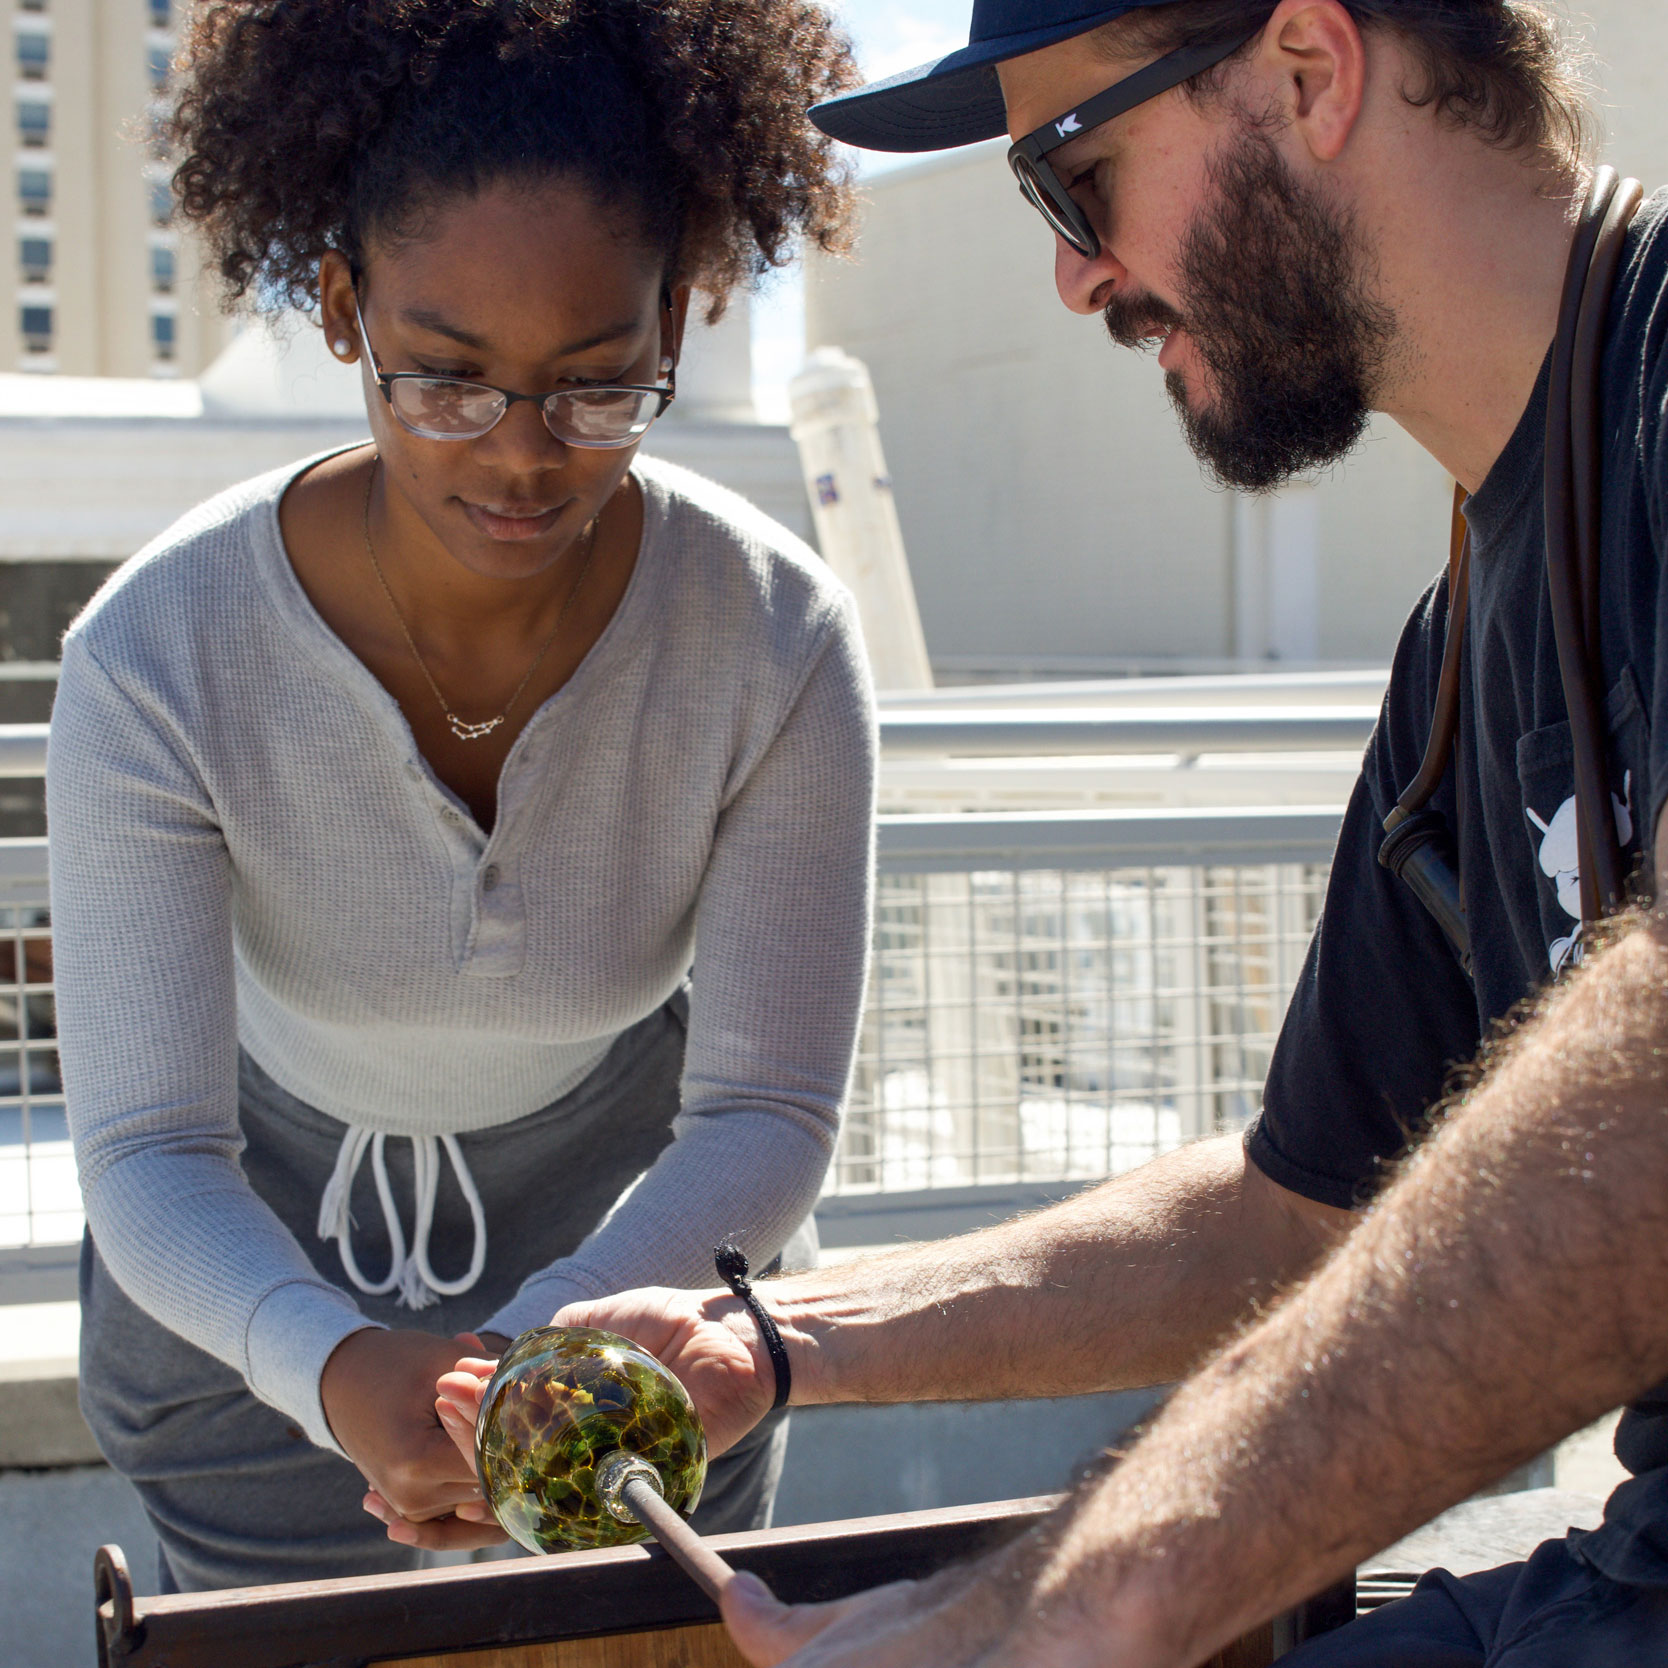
point(563, 1399)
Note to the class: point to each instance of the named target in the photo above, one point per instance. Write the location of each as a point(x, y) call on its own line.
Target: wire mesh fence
point(1022, 1024)
point(39, 1200)
point(1037, 1024)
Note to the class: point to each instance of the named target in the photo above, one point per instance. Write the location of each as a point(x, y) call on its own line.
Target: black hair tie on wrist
point(731, 1262)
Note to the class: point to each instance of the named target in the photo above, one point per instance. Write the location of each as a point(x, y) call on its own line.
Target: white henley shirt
point(247, 848)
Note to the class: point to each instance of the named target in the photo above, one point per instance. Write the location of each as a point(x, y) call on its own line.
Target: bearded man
point(1318, 209)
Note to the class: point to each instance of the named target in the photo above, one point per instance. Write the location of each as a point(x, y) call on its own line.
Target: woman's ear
point(337, 315)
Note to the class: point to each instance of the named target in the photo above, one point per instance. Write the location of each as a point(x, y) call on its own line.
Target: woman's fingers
point(450, 1533)
point(459, 1426)
point(464, 1386)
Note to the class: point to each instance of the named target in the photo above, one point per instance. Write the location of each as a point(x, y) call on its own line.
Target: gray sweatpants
point(236, 1492)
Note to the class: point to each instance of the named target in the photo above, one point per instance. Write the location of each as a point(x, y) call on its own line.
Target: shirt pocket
point(1546, 779)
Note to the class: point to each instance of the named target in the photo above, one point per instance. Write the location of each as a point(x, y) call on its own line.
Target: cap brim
point(955, 100)
point(920, 110)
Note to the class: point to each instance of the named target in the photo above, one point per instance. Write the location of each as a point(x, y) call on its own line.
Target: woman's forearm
point(751, 1177)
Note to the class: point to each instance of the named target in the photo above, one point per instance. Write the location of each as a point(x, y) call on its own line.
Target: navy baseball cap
point(956, 100)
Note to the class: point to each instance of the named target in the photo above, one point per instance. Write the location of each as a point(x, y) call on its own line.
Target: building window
point(35, 259)
point(162, 14)
point(164, 270)
point(162, 334)
point(158, 58)
point(31, 5)
point(34, 121)
point(34, 190)
point(156, 133)
point(37, 329)
point(162, 202)
point(34, 54)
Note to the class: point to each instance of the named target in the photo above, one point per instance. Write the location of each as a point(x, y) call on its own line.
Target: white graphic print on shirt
point(1561, 863)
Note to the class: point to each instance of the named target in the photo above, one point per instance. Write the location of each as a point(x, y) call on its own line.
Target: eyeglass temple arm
point(1158, 77)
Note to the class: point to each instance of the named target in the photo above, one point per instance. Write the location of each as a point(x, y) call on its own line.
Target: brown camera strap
point(1573, 461)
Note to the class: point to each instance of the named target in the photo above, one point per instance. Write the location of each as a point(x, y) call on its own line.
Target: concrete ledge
point(38, 1273)
point(881, 1219)
point(1483, 1534)
point(40, 1420)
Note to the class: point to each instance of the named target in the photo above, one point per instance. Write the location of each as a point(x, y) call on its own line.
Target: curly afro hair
point(310, 125)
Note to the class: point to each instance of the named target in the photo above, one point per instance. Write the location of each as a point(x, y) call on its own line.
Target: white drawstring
point(413, 1276)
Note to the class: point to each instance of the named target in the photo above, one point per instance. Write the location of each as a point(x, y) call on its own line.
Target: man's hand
point(378, 1392)
point(984, 1612)
point(706, 1339)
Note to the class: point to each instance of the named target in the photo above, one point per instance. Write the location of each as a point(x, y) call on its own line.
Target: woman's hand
point(378, 1393)
point(458, 1396)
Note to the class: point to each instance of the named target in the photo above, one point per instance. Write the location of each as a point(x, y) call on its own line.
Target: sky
point(889, 35)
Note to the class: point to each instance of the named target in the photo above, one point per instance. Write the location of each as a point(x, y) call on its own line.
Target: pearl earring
point(665, 364)
point(343, 347)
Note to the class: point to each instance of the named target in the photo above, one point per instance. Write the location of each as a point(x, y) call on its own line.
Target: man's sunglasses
point(1028, 157)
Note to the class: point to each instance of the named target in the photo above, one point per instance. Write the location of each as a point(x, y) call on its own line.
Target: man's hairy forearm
point(1130, 1284)
point(1506, 1290)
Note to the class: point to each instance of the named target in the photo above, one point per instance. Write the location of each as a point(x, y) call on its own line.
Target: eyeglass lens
point(444, 408)
point(1070, 224)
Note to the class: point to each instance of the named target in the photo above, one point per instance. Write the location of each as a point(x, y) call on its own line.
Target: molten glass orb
point(565, 1398)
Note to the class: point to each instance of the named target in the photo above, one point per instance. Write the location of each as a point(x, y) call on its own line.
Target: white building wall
point(1048, 505)
point(269, 399)
point(1052, 513)
point(1629, 43)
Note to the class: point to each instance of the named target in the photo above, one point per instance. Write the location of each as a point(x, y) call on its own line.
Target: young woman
point(395, 795)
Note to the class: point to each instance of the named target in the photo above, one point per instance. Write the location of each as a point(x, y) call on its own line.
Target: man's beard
point(1275, 304)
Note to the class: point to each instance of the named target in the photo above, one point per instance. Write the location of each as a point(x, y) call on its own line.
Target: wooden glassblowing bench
point(628, 1607)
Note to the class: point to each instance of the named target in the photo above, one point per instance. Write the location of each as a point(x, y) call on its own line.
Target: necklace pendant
point(472, 732)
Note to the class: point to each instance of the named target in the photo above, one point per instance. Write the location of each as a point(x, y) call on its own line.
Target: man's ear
point(1314, 53)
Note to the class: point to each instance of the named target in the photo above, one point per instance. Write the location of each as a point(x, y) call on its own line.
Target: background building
point(98, 282)
point(1054, 518)
point(92, 468)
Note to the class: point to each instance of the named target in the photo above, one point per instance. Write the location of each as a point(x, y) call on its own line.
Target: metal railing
point(1062, 997)
point(39, 1201)
point(1053, 997)
point(1021, 733)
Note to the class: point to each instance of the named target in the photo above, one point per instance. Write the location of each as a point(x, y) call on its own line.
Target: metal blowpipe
point(630, 1489)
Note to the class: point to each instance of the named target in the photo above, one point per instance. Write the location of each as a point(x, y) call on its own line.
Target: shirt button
point(450, 815)
point(489, 877)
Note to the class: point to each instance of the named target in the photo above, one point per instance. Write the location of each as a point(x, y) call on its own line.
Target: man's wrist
point(1089, 1591)
point(803, 1332)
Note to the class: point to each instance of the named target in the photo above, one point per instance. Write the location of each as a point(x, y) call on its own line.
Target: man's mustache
point(1139, 321)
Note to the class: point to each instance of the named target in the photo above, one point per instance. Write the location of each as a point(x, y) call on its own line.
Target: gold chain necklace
point(462, 728)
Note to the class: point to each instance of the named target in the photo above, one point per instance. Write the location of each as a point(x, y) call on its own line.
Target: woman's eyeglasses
point(1028, 157)
point(454, 408)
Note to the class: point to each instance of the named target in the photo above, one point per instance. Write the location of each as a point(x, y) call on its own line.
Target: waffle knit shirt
point(248, 849)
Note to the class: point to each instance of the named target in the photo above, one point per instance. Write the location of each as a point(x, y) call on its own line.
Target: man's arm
point(1504, 1292)
point(1131, 1283)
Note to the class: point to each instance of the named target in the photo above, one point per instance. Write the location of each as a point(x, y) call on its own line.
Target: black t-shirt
point(1383, 1010)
